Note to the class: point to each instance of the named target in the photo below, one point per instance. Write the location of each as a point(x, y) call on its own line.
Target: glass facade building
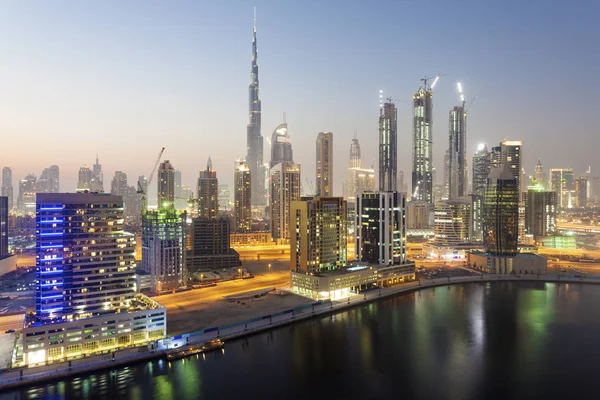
point(422, 157)
point(388, 147)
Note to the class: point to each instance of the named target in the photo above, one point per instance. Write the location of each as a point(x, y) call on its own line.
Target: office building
point(210, 246)
point(118, 186)
point(380, 228)
point(501, 212)
point(562, 181)
point(84, 183)
point(180, 199)
point(49, 181)
point(281, 146)
point(355, 157)
point(482, 165)
point(86, 301)
point(452, 221)
point(26, 198)
point(285, 188)
point(166, 185)
point(242, 195)
point(3, 226)
point(254, 156)
point(359, 180)
point(388, 147)
point(457, 156)
point(540, 212)
point(422, 179)
point(97, 178)
point(418, 215)
point(318, 234)
point(208, 193)
point(581, 193)
point(511, 154)
point(163, 247)
point(324, 175)
point(7, 186)
point(540, 176)
point(224, 197)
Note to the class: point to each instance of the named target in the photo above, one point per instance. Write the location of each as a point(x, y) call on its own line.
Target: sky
point(123, 79)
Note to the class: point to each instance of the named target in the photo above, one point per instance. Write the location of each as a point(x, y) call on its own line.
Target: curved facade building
point(281, 146)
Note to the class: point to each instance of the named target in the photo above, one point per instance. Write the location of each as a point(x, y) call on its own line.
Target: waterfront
point(478, 340)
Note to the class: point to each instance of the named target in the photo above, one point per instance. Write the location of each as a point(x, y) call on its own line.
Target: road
point(11, 322)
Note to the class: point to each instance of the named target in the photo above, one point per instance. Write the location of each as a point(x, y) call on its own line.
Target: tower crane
point(462, 98)
point(141, 190)
point(435, 79)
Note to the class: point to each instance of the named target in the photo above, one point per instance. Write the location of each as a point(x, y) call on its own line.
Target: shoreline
point(279, 320)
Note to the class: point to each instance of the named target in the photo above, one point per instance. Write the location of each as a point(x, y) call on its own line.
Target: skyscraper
point(285, 188)
point(540, 212)
point(482, 165)
point(318, 236)
point(3, 225)
point(355, 157)
point(562, 181)
point(254, 155)
point(224, 197)
point(581, 192)
point(26, 198)
point(501, 212)
point(180, 200)
point(7, 186)
point(49, 181)
point(210, 245)
point(512, 155)
point(163, 247)
point(539, 176)
point(97, 179)
point(325, 164)
point(380, 228)
point(457, 159)
point(281, 146)
point(388, 147)
point(452, 221)
point(242, 206)
point(208, 193)
point(422, 179)
point(118, 186)
point(166, 185)
point(85, 179)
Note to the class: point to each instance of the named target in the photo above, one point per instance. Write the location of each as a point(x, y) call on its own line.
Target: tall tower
point(422, 179)
point(388, 147)
point(285, 188)
point(512, 155)
point(49, 181)
point(97, 180)
point(118, 186)
point(7, 186)
point(3, 226)
point(325, 164)
point(281, 146)
point(355, 160)
point(166, 185)
point(457, 160)
point(254, 138)
point(501, 212)
point(242, 206)
point(208, 193)
point(539, 174)
point(85, 179)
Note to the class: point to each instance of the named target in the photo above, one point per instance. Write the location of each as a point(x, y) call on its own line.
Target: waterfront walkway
point(28, 376)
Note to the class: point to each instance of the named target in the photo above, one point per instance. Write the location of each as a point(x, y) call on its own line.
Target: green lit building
point(163, 247)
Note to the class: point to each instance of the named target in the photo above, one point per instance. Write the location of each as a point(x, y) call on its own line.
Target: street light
point(269, 267)
point(240, 271)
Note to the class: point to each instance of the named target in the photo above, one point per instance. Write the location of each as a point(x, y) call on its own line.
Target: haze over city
point(124, 79)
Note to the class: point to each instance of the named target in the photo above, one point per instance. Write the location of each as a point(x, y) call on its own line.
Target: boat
point(192, 350)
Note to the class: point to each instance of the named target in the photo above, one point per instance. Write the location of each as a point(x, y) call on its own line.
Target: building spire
point(209, 164)
point(254, 21)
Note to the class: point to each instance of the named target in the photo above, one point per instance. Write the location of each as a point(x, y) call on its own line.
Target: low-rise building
point(251, 239)
point(522, 263)
point(335, 284)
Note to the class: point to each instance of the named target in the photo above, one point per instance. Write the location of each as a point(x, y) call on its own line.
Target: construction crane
point(310, 186)
point(435, 80)
point(141, 190)
point(462, 97)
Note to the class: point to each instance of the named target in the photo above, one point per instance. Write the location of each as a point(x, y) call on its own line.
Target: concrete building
point(318, 234)
point(224, 197)
point(210, 246)
point(49, 181)
point(360, 180)
point(457, 155)
point(118, 185)
point(251, 239)
point(540, 212)
point(581, 192)
point(208, 193)
point(482, 165)
point(166, 185)
point(285, 188)
point(324, 175)
point(3, 226)
point(86, 300)
point(388, 147)
point(242, 206)
point(7, 186)
point(422, 141)
point(418, 215)
point(163, 247)
point(26, 198)
point(97, 178)
point(84, 182)
point(335, 284)
point(452, 221)
point(562, 181)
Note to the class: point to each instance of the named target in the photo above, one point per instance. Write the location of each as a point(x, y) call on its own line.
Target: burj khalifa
point(254, 156)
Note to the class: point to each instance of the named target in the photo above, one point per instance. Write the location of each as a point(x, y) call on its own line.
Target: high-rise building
point(380, 229)
point(594, 193)
point(163, 247)
point(208, 193)
point(180, 200)
point(84, 183)
point(501, 212)
point(85, 281)
point(452, 221)
point(118, 186)
point(581, 192)
point(132, 207)
point(418, 215)
point(388, 147)
point(254, 155)
point(49, 181)
point(7, 186)
point(166, 185)
point(482, 165)
point(540, 177)
point(97, 179)
point(512, 155)
point(318, 234)
point(242, 206)
point(324, 164)
point(359, 180)
point(401, 186)
point(281, 146)
point(285, 188)
point(355, 158)
point(26, 198)
point(540, 212)
point(562, 181)
point(210, 246)
point(457, 156)
point(422, 179)
point(3, 225)
point(224, 197)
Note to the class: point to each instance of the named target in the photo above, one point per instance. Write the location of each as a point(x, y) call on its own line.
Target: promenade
point(28, 376)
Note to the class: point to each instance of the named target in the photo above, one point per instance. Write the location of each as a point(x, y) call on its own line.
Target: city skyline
point(181, 101)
